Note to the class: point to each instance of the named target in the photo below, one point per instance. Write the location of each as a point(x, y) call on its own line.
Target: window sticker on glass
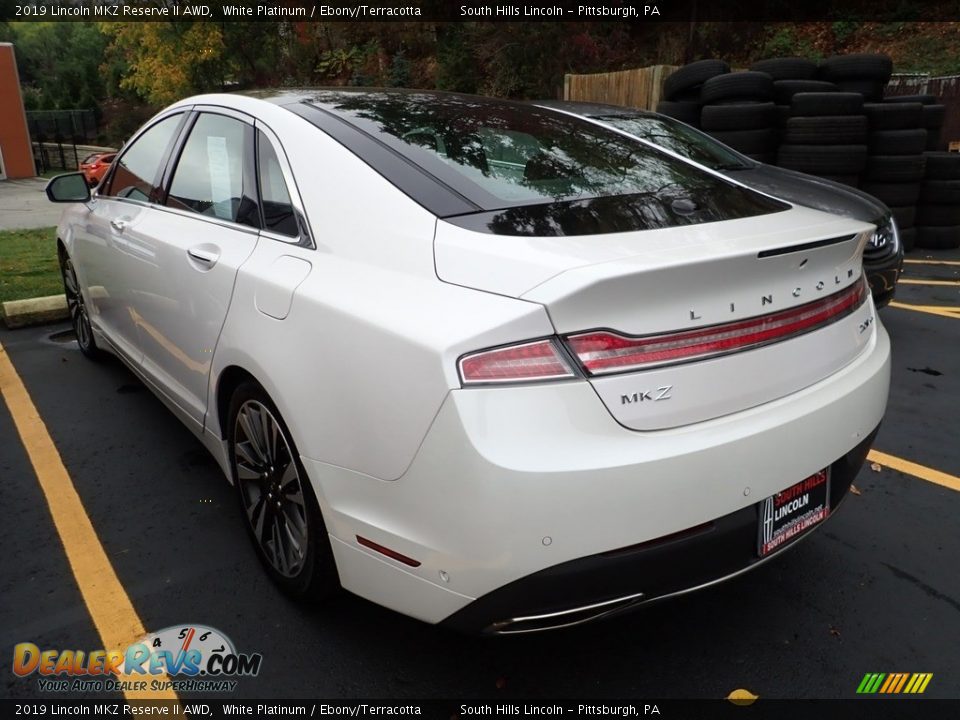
point(219, 167)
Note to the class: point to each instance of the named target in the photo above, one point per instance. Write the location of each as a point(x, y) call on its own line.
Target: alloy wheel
point(270, 488)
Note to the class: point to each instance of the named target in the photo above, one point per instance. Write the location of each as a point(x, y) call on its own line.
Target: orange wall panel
point(14, 136)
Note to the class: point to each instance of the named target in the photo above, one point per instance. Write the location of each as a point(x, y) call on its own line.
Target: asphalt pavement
point(23, 204)
point(875, 590)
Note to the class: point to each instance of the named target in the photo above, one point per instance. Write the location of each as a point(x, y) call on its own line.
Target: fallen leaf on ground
point(876, 467)
point(855, 490)
point(834, 631)
point(741, 696)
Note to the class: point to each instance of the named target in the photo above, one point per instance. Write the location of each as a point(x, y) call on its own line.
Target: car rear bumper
point(611, 583)
point(530, 486)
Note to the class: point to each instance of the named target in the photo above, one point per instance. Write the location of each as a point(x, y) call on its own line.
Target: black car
point(883, 256)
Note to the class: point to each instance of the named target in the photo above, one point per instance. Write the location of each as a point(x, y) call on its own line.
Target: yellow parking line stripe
point(109, 606)
point(915, 469)
point(905, 281)
point(939, 310)
point(931, 262)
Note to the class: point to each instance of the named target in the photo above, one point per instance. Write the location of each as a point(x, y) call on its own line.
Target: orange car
point(95, 166)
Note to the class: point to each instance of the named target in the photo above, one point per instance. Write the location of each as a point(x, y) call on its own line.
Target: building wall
point(14, 136)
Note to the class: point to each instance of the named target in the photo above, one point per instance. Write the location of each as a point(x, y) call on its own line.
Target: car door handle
point(204, 257)
point(119, 224)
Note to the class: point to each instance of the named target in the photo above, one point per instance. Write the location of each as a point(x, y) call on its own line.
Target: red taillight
point(529, 362)
point(606, 352)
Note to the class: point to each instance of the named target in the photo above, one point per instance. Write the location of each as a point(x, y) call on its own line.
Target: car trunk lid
point(647, 283)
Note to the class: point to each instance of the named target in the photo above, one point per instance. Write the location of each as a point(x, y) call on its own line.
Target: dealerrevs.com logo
point(191, 657)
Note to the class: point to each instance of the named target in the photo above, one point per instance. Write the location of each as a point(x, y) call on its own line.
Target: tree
point(59, 64)
point(169, 61)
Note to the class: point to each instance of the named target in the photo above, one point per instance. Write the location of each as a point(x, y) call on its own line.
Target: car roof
point(329, 97)
point(592, 109)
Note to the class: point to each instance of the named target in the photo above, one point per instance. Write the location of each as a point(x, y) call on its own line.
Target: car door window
point(278, 212)
point(210, 178)
point(136, 174)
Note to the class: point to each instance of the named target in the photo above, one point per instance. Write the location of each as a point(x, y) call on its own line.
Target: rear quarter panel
point(367, 353)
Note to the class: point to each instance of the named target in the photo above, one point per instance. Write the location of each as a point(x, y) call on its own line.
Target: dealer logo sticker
point(194, 657)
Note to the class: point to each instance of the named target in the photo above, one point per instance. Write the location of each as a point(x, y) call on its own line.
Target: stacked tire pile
point(738, 110)
point(791, 75)
point(825, 134)
point(867, 74)
point(896, 164)
point(832, 120)
point(934, 115)
point(681, 89)
point(938, 214)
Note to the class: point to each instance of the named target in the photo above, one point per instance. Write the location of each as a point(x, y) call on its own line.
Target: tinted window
point(210, 176)
point(501, 154)
point(278, 214)
point(139, 165)
point(681, 139)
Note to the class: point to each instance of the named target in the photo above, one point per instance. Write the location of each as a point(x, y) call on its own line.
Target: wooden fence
point(947, 91)
point(639, 88)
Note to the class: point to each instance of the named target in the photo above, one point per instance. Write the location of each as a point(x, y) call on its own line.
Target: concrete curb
point(35, 311)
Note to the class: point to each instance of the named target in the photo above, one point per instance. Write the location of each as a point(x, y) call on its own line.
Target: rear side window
point(278, 213)
point(210, 177)
point(136, 174)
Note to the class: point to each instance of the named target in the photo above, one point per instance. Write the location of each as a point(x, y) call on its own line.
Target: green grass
point(54, 172)
point(28, 264)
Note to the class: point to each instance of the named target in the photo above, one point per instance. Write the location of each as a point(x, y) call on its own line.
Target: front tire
point(79, 318)
point(282, 514)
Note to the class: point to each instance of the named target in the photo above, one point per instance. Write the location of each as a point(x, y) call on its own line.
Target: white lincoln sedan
point(487, 364)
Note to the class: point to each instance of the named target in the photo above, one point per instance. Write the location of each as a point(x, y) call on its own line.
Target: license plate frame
point(791, 513)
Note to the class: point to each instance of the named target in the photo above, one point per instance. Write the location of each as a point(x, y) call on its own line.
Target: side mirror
point(68, 188)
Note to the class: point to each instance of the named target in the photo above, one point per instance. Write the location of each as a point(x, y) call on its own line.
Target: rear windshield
point(502, 155)
point(681, 139)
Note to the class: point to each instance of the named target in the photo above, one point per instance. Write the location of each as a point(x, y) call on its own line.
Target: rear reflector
point(388, 552)
point(604, 352)
point(528, 362)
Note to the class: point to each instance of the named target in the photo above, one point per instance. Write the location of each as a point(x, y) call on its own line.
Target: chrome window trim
point(292, 190)
point(95, 193)
point(229, 224)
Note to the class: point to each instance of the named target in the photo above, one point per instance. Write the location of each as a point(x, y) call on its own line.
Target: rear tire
point(283, 516)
